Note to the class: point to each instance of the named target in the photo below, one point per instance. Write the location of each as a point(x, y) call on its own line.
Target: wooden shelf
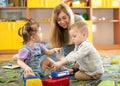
point(98, 21)
point(106, 47)
point(13, 7)
point(8, 51)
point(81, 7)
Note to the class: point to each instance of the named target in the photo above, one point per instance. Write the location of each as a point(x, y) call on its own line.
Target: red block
point(62, 81)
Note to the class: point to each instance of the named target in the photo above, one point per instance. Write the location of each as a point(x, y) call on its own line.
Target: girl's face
point(77, 36)
point(63, 20)
point(38, 36)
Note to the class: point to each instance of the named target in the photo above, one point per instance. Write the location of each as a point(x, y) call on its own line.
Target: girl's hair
point(57, 37)
point(29, 29)
point(81, 25)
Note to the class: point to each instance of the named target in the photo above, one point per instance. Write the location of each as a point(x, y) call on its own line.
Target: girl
point(30, 55)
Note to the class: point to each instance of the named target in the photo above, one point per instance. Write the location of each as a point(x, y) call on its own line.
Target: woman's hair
point(57, 38)
point(29, 29)
point(81, 26)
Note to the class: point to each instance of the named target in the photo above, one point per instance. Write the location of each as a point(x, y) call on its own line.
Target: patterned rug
point(111, 77)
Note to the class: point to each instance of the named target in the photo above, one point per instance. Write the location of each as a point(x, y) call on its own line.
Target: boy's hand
point(57, 65)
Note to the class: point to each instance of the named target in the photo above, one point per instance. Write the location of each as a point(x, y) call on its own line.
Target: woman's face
point(63, 20)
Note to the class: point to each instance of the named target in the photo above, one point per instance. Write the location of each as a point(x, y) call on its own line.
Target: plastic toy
point(33, 81)
point(61, 81)
point(59, 73)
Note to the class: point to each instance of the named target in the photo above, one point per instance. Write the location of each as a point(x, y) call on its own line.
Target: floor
point(106, 53)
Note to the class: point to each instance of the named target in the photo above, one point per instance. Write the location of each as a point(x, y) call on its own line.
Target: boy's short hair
point(81, 25)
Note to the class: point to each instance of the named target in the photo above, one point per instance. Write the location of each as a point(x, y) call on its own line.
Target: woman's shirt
point(87, 57)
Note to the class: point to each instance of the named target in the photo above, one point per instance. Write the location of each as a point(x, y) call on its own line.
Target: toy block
point(33, 81)
point(59, 73)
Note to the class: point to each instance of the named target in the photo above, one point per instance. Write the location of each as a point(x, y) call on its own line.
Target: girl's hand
point(28, 71)
point(57, 50)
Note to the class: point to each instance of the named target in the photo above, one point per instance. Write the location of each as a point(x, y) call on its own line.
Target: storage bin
point(62, 81)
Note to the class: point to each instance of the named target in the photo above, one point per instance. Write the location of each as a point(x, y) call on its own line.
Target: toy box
point(62, 81)
point(59, 73)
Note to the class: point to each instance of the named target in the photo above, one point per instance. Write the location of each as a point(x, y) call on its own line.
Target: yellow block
point(33, 82)
point(115, 61)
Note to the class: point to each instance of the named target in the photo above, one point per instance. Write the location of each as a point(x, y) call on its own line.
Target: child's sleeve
point(23, 53)
point(42, 47)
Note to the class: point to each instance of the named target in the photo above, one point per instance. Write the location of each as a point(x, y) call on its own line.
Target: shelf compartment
point(106, 47)
point(102, 21)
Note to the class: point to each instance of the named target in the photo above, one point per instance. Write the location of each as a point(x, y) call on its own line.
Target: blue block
point(59, 73)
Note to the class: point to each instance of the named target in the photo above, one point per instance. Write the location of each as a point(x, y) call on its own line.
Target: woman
point(62, 18)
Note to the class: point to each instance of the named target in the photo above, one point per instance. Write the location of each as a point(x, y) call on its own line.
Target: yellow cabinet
point(90, 37)
point(9, 37)
point(115, 4)
point(5, 36)
point(16, 39)
point(105, 3)
point(35, 3)
point(42, 3)
point(52, 3)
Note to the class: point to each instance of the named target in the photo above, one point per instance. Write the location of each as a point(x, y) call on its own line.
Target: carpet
point(11, 77)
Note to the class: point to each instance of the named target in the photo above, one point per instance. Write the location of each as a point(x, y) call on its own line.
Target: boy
point(87, 59)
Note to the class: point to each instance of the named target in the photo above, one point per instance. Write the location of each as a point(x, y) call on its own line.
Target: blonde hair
point(81, 25)
point(57, 38)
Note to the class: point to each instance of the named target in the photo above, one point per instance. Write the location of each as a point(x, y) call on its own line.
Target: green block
point(106, 83)
point(82, 85)
point(118, 83)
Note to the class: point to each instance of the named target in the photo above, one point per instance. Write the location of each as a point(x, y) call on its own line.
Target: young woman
point(62, 18)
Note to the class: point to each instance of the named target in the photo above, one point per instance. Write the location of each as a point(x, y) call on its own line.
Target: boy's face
point(63, 20)
point(77, 36)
